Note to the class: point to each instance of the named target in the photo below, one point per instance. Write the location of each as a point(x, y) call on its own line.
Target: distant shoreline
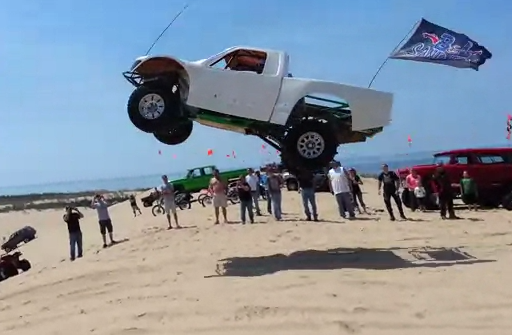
point(59, 200)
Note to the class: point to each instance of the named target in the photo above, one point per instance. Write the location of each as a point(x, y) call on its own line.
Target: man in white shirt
point(254, 182)
point(100, 205)
point(341, 187)
point(167, 191)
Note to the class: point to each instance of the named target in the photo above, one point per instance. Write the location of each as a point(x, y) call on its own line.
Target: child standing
point(133, 204)
point(420, 194)
point(468, 191)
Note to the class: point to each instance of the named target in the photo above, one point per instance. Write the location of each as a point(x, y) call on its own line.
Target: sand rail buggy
point(250, 91)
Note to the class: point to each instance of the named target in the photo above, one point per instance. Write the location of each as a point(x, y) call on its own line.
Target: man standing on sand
point(167, 191)
point(307, 186)
point(254, 182)
point(220, 200)
point(72, 218)
point(100, 205)
point(264, 187)
point(390, 183)
point(274, 182)
point(341, 187)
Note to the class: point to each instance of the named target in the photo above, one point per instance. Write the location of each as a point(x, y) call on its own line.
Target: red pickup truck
point(491, 169)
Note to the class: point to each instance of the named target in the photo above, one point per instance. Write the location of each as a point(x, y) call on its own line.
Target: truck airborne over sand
point(250, 91)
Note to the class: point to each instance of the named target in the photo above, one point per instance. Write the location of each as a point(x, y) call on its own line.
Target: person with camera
point(72, 218)
point(100, 205)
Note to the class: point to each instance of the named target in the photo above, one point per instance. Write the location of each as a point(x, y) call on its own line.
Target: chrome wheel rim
point(151, 106)
point(310, 145)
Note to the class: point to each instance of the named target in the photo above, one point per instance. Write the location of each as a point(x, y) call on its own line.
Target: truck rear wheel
point(179, 134)
point(152, 106)
point(24, 265)
point(310, 144)
point(506, 202)
point(292, 184)
point(406, 197)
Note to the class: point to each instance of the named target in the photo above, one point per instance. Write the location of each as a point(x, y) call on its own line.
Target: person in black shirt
point(444, 193)
point(306, 180)
point(246, 199)
point(133, 204)
point(357, 193)
point(72, 218)
point(390, 184)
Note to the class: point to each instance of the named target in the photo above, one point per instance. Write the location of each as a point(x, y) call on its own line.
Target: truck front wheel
point(179, 134)
point(310, 144)
point(152, 106)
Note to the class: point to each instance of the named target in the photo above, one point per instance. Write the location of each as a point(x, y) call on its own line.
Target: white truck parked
point(251, 91)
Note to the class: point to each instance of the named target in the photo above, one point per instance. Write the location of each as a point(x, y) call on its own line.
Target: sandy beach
point(368, 276)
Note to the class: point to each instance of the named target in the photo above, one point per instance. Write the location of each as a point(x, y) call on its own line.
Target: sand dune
point(369, 276)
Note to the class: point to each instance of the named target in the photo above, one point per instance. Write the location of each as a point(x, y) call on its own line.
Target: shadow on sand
point(339, 258)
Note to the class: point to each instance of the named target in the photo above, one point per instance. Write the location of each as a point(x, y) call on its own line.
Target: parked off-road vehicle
point(12, 264)
point(491, 169)
point(250, 91)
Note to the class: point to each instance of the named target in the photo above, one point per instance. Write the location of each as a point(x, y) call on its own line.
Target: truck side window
point(194, 173)
point(462, 160)
point(242, 60)
point(490, 159)
point(208, 170)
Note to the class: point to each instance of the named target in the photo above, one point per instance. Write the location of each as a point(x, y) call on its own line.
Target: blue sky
point(63, 114)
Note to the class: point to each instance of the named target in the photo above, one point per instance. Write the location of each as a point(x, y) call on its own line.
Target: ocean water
point(368, 165)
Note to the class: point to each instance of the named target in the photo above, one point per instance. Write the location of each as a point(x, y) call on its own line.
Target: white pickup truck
point(250, 90)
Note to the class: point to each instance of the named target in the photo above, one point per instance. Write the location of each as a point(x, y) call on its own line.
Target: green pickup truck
point(199, 178)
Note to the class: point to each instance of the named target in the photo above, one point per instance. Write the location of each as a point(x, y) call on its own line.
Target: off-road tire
point(157, 210)
point(293, 148)
point(24, 265)
point(292, 184)
point(405, 197)
point(179, 134)
point(506, 202)
point(171, 103)
point(10, 271)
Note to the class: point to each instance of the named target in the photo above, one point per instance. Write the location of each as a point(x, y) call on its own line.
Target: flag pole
point(396, 47)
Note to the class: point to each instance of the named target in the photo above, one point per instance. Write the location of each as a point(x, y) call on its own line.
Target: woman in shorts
point(220, 199)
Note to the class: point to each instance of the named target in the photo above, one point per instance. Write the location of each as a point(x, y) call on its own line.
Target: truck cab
point(248, 79)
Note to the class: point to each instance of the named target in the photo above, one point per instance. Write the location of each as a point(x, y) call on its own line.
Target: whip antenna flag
point(168, 26)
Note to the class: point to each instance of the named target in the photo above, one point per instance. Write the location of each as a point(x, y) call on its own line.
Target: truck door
point(245, 94)
point(458, 164)
point(490, 169)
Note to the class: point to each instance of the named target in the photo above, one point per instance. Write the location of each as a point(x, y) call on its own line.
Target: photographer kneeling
point(72, 218)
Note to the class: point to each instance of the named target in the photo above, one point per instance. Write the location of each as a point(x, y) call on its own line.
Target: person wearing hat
point(341, 187)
